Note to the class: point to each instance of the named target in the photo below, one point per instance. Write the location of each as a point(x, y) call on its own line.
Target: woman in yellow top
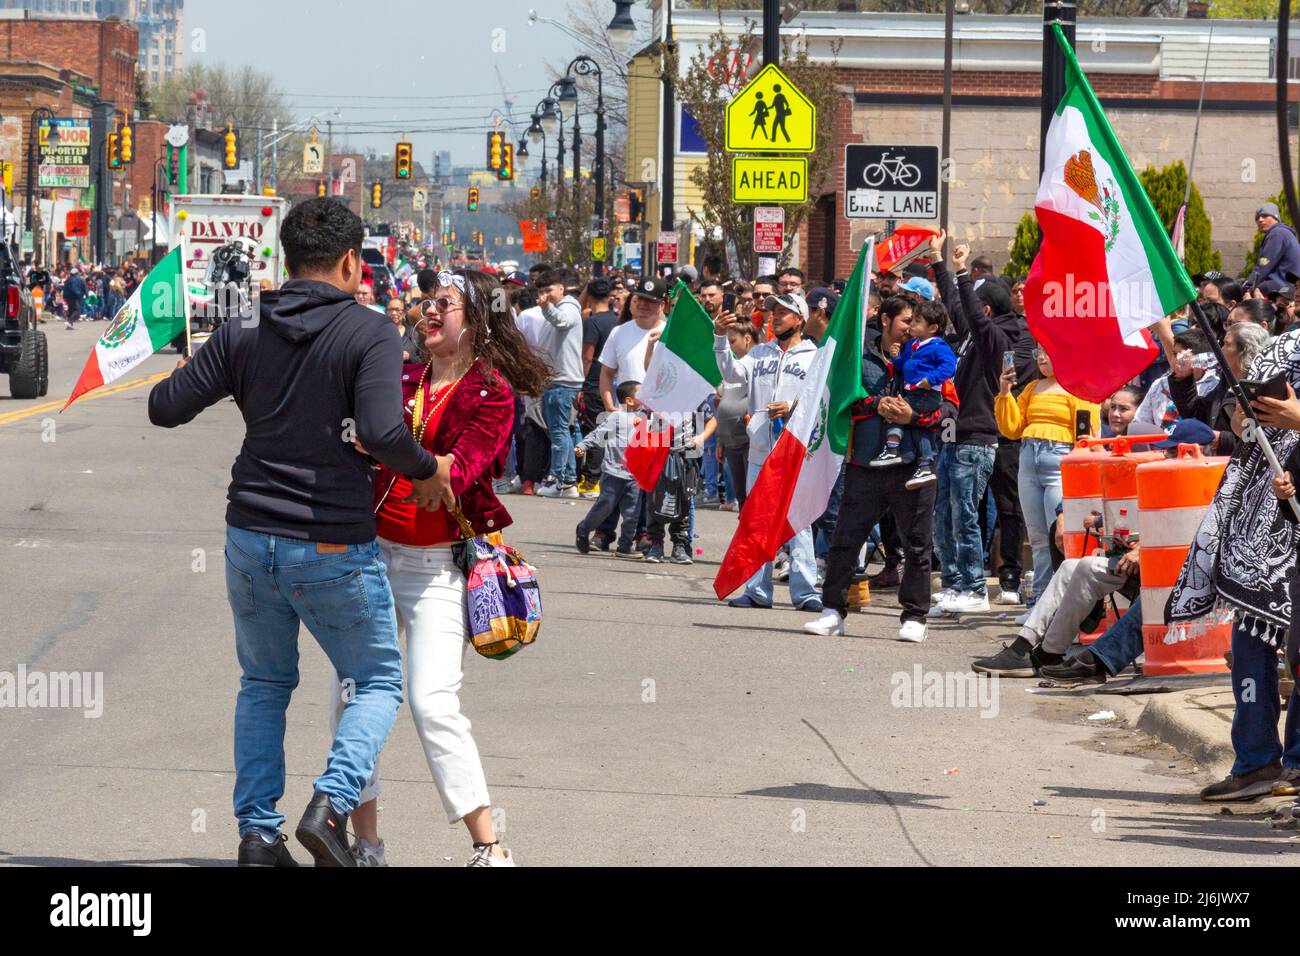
point(1043, 419)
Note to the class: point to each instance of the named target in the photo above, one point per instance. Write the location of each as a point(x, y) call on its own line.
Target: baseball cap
point(788, 300)
point(515, 278)
point(823, 298)
point(1188, 431)
point(1285, 291)
point(1268, 209)
point(649, 288)
point(1213, 276)
point(920, 286)
point(688, 274)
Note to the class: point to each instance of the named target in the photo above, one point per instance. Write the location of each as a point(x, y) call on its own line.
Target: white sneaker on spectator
point(943, 595)
point(1009, 597)
point(965, 602)
point(558, 490)
point(367, 855)
point(912, 631)
point(483, 856)
point(828, 624)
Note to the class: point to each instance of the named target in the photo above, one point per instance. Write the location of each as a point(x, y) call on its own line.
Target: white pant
point(429, 594)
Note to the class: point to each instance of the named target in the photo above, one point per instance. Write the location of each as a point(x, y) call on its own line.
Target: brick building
point(889, 70)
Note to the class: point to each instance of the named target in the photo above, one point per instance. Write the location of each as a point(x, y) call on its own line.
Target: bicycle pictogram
point(900, 172)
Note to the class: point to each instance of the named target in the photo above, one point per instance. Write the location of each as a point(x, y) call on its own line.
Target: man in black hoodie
point(989, 328)
point(311, 374)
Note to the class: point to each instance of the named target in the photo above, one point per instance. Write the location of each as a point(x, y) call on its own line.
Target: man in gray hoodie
point(561, 340)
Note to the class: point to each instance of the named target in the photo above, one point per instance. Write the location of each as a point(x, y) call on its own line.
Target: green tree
point(1024, 246)
point(1166, 188)
point(1253, 256)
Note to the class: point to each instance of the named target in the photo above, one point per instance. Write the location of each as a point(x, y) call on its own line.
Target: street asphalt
point(650, 724)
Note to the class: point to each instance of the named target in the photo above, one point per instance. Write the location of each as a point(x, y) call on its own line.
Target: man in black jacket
point(314, 373)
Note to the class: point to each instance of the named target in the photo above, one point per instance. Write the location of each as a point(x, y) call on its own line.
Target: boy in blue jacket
point(923, 365)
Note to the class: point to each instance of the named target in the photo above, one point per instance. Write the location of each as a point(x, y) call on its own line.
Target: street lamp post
point(537, 134)
point(41, 112)
point(157, 200)
point(584, 65)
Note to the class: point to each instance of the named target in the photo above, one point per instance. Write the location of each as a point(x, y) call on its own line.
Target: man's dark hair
point(1193, 339)
point(626, 390)
point(548, 278)
point(426, 280)
point(523, 298)
point(569, 278)
point(318, 233)
point(996, 296)
point(894, 306)
point(706, 283)
point(1229, 289)
point(713, 265)
point(982, 262)
point(791, 271)
point(599, 288)
point(538, 267)
point(766, 280)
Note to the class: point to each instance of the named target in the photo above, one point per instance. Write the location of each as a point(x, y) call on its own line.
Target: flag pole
point(1243, 400)
point(185, 299)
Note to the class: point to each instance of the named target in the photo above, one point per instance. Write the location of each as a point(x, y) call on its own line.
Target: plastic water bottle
point(1122, 533)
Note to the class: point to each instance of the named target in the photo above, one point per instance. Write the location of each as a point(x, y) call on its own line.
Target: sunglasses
point(439, 306)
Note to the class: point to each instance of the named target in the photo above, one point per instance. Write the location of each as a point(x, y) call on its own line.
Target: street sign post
point(418, 198)
point(769, 179)
point(666, 249)
point(598, 249)
point(771, 115)
point(891, 182)
point(769, 230)
point(313, 159)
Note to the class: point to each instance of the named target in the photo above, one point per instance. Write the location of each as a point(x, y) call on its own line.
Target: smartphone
point(1082, 423)
point(1008, 361)
point(728, 302)
point(1274, 387)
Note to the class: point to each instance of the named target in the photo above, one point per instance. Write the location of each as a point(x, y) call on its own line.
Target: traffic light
point(376, 194)
point(320, 187)
point(114, 160)
point(126, 150)
point(471, 201)
point(634, 206)
point(507, 170)
point(494, 143)
point(402, 161)
point(232, 147)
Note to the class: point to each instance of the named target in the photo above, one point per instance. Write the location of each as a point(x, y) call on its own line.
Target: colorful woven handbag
point(503, 601)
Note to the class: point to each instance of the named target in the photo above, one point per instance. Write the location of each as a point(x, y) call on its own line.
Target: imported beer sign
point(65, 156)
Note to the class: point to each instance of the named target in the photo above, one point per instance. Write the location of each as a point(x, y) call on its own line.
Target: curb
point(1172, 719)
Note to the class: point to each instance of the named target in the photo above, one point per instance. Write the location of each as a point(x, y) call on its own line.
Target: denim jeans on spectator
point(557, 409)
point(737, 462)
point(1121, 645)
point(710, 473)
point(619, 497)
point(964, 472)
point(803, 565)
point(1040, 492)
point(824, 526)
point(1254, 721)
point(273, 584)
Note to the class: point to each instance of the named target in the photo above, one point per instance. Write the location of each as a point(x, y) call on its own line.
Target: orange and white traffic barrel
point(1173, 496)
point(1080, 497)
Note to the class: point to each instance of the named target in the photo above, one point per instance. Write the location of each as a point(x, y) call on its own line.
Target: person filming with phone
point(1241, 344)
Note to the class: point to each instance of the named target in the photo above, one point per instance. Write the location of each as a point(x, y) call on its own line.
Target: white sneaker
point(912, 631)
point(828, 624)
point(366, 854)
point(965, 602)
point(516, 483)
point(558, 491)
point(944, 595)
point(483, 856)
point(1009, 597)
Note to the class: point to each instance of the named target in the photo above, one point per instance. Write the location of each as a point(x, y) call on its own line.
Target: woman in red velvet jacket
point(460, 406)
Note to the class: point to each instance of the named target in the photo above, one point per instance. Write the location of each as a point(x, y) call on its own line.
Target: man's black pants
point(1004, 486)
point(868, 493)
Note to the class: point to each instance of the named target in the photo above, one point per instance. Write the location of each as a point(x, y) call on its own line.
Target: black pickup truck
point(23, 351)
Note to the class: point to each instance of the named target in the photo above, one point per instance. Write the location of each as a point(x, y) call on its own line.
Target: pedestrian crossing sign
point(771, 115)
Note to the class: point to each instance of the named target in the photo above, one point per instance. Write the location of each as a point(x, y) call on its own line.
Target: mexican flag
point(154, 315)
point(799, 474)
point(683, 373)
point(1106, 269)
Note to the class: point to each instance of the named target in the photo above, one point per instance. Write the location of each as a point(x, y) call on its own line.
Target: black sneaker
point(653, 554)
point(254, 851)
point(1008, 662)
point(1247, 787)
point(583, 541)
point(324, 832)
point(628, 552)
point(886, 459)
point(681, 555)
point(924, 475)
point(1084, 669)
point(600, 541)
point(642, 543)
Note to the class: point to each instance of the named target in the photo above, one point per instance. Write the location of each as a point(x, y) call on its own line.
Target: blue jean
point(557, 409)
point(1254, 721)
point(803, 564)
point(1121, 645)
point(1040, 494)
point(710, 471)
point(824, 527)
point(273, 584)
point(618, 497)
point(964, 472)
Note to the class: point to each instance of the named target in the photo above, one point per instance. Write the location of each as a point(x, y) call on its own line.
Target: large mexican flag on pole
point(797, 478)
point(152, 317)
point(1106, 269)
point(683, 372)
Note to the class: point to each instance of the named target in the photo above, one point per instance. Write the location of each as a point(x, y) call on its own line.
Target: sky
point(427, 68)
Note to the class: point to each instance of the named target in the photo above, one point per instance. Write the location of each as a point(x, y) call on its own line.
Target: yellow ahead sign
point(771, 115)
point(769, 179)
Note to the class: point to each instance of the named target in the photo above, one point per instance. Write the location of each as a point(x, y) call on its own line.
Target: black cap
point(649, 288)
point(1214, 275)
point(823, 298)
point(1285, 291)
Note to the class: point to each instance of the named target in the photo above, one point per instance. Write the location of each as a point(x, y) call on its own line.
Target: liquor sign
point(65, 158)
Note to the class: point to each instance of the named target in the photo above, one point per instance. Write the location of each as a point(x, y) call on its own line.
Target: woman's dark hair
point(1193, 340)
point(318, 233)
point(1259, 311)
point(497, 341)
point(995, 295)
point(1134, 390)
point(1217, 313)
point(625, 314)
point(894, 306)
point(746, 329)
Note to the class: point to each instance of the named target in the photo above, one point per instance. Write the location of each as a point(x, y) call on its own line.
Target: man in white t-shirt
point(623, 357)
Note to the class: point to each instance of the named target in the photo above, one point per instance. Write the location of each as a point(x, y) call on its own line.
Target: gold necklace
point(420, 420)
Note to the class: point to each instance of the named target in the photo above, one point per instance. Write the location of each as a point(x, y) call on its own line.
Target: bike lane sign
point(891, 182)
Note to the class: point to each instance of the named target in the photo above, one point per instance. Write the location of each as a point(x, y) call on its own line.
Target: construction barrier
point(1172, 496)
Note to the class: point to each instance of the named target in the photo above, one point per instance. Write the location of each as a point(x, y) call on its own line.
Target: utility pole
point(1054, 12)
point(329, 155)
point(275, 155)
point(257, 163)
point(945, 150)
point(101, 176)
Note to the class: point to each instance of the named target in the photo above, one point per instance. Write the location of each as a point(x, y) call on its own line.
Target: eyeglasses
point(440, 306)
